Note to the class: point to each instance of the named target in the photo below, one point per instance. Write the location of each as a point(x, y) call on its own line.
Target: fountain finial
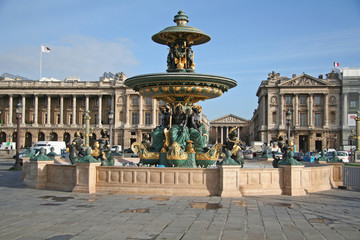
point(181, 19)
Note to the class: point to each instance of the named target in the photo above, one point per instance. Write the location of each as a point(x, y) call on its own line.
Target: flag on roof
point(45, 49)
point(336, 64)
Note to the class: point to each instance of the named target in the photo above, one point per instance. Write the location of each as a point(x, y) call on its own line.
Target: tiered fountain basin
point(180, 86)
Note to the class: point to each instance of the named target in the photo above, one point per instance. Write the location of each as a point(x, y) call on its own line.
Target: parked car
point(311, 156)
point(248, 154)
point(23, 152)
point(344, 155)
point(298, 156)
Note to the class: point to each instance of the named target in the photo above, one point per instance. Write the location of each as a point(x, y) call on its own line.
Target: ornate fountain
point(181, 139)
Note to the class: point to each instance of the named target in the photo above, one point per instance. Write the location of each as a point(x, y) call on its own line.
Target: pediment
point(230, 118)
point(304, 80)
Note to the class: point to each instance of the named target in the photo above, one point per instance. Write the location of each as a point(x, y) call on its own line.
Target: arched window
point(66, 138)
point(41, 136)
point(53, 136)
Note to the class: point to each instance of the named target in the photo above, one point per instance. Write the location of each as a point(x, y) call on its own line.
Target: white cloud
point(80, 56)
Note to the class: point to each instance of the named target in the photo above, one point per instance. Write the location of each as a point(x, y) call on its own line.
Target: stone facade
point(350, 80)
point(54, 110)
point(315, 105)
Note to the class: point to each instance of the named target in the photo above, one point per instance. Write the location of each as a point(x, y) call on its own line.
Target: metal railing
point(351, 176)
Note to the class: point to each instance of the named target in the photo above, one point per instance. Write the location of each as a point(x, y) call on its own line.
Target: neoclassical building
point(350, 81)
point(54, 110)
point(220, 127)
point(315, 106)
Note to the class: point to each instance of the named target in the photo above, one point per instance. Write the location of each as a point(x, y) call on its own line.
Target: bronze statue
point(179, 132)
point(234, 145)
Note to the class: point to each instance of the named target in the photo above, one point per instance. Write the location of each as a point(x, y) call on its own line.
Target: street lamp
point(111, 117)
point(288, 123)
point(357, 150)
point(19, 107)
point(87, 127)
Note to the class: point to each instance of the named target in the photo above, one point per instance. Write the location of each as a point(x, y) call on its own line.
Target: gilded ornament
point(212, 154)
point(176, 152)
point(143, 152)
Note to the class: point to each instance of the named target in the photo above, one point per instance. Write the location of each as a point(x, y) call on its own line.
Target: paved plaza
point(42, 214)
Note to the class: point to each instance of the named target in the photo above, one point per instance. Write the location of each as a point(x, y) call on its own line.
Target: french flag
point(336, 64)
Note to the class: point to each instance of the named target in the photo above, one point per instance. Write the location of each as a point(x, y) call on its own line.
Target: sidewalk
point(41, 214)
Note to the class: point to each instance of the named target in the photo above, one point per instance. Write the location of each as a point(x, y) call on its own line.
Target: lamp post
point(288, 123)
point(19, 107)
point(87, 127)
point(357, 138)
point(111, 117)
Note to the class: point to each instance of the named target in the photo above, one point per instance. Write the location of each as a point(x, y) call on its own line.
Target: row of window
point(302, 99)
point(317, 100)
point(135, 118)
point(135, 100)
point(303, 119)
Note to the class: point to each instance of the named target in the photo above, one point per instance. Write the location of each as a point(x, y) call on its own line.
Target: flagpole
point(40, 62)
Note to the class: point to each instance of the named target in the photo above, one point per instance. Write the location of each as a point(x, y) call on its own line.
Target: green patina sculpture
point(87, 158)
point(323, 157)
point(41, 156)
point(30, 153)
point(266, 153)
point(233, 144)
point(289, 159)
point(228, 160)
point(334, 158)
point(52, 154)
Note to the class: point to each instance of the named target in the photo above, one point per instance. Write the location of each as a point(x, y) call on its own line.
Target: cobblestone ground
point(41, 214)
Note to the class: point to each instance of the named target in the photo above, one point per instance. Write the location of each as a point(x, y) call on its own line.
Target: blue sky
point(249, 40)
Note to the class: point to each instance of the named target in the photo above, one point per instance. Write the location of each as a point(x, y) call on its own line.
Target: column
point(227, 131)
point(296, 107)
point(216, 134)
point(154, 106)
point(345, 110)
point(74, 110)
point(36, 109)
point(23, 112)
point(48, 110)
point(264, 107)
point(100, 111)
point(141, 111)
point(127, 109)
point(222, 135)
point(86, 102)
point(310, 111)
point(10, 109)
point(61, 110)
point(326, 109)
point(281, 114)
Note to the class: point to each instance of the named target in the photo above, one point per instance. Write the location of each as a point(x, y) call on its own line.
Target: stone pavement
point(41, 214)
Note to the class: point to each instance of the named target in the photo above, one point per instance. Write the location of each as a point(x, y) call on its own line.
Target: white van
point(47, 145)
